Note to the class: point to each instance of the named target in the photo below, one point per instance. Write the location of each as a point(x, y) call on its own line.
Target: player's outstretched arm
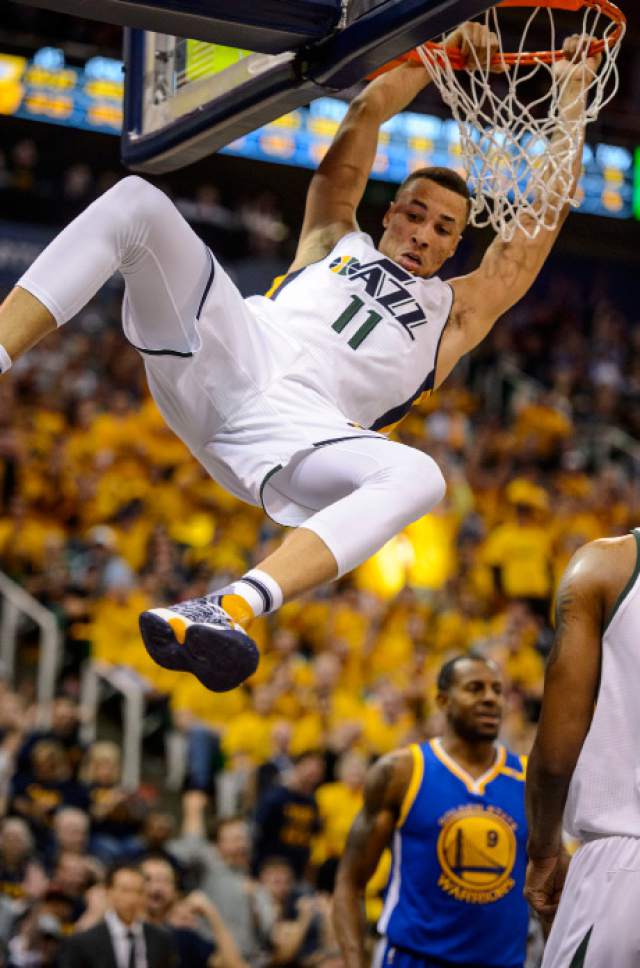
point(338, 185)
point(586, 595)
point(509, 269)
point(385, 788)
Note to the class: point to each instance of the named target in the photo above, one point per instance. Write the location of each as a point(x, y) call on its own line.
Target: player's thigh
point(168, 271)
point(615, 938)
point(598, 908)
point(580, 904)
point(320, 478)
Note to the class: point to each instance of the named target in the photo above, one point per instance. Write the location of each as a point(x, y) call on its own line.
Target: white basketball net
point(521, 130)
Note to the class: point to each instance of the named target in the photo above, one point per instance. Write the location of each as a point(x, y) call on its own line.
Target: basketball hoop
point(512, 108)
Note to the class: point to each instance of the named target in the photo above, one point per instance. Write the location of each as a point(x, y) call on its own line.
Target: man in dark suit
point(122, 939)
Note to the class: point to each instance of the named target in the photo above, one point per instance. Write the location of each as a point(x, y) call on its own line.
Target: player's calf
point(24, 320)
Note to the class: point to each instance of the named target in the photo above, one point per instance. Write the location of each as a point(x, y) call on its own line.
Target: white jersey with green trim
point(369, 330)
point(604, 795)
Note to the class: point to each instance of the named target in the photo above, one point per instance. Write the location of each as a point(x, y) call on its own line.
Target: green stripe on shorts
point(578, 959)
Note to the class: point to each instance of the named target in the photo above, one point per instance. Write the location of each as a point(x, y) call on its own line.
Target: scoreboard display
point(409, 141)
point(46, 88)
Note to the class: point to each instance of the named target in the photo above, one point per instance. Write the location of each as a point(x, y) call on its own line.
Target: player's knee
point(130, 189)
point(424, 484)
point(136, 200)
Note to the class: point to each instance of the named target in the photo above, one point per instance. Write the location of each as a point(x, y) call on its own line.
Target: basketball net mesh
point(519, 148)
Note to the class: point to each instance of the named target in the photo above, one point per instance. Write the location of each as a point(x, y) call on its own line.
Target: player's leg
point(365, 491)
point(135, 229)
point(618, 929)
point(581, 905)
point(596, 925)
point(23, 323)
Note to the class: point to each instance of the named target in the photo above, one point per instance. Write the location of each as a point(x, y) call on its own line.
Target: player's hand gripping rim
point(477, 46)
point(576, 68)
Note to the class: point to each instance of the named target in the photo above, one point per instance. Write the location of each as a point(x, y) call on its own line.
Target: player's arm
point(385, 788)
point(509, 269)
point(585, 597)
point(571, 682)
point(338, 185)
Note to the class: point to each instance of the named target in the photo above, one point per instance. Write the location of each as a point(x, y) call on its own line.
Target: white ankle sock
point(260, 590)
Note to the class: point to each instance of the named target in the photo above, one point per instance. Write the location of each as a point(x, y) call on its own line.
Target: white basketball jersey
point(369, 331)
point(604, 796)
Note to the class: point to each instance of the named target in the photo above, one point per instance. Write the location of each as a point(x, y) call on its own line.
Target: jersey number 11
point(360, 335)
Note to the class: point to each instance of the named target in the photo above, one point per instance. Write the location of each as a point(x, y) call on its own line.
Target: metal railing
point(16, 602)
point(133, 690)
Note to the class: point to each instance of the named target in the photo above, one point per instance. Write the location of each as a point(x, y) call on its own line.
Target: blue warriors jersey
point(459, 859)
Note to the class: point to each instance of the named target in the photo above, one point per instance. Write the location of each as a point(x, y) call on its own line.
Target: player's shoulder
point(613, 546)
point(319, 243)
point(606, 563)
point(390, 776)
point(609, 547)
point(398, 761)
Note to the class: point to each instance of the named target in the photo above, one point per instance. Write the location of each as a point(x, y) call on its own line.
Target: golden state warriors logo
point(476, 851)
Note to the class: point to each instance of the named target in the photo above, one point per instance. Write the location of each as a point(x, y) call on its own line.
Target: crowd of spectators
point(104, 513)
point(75, 845)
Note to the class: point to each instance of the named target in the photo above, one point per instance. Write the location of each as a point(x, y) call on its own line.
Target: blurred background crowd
point(245, 798)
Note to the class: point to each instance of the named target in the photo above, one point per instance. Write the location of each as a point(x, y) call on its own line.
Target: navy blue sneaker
point(200, 637)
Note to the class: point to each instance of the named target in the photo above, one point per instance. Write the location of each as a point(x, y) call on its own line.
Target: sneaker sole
point(221, 659)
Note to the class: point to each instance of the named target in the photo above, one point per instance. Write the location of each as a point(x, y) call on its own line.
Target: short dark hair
point(447, 673)
point(274, 861)
point(116, 869)
point(445, 177)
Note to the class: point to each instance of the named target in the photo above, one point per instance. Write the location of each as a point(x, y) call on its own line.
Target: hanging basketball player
point(285, 399)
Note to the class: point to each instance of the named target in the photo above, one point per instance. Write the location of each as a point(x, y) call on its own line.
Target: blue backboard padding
point(266, 26)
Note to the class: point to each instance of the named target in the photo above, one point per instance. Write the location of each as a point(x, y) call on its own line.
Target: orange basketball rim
point(500, 59)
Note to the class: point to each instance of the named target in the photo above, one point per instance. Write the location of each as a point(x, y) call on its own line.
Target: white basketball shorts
point(598, 920)
point(229, 397)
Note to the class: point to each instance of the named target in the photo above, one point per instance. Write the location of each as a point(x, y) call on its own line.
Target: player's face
point(423, 226)
point(474, 703)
